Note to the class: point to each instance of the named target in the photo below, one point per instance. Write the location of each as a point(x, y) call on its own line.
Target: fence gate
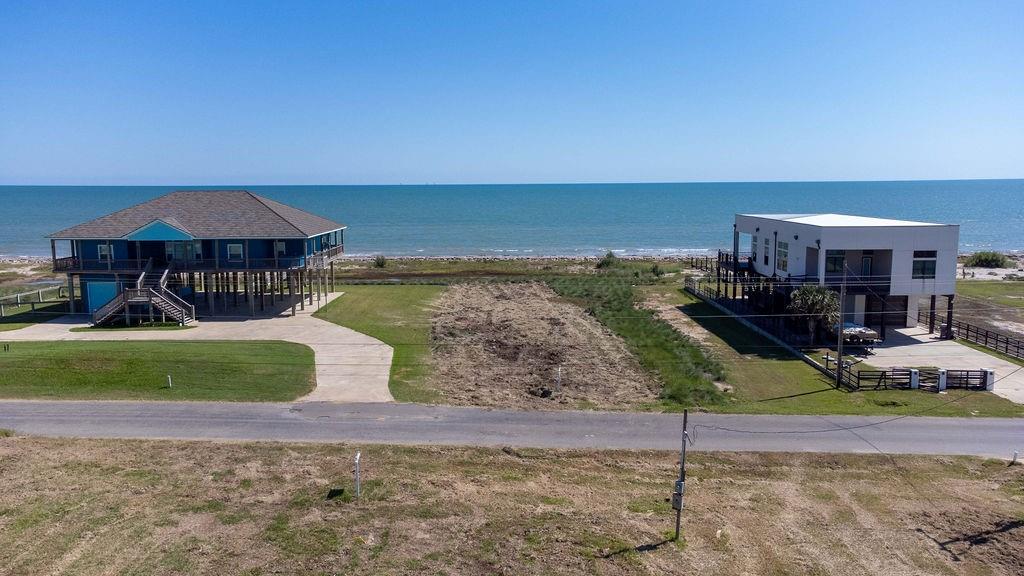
point(928, 379)
point(966, 379)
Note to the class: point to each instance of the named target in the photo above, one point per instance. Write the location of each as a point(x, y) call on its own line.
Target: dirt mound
point(502, 344)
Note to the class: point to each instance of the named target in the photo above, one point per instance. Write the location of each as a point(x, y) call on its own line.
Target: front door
point(865, 266)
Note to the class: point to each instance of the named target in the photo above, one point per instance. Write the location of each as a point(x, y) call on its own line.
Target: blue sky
point(449, 92)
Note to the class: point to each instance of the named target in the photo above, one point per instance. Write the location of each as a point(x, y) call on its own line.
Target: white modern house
point(887, 265)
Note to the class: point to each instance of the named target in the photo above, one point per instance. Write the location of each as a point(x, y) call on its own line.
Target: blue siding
point(130, 254)
point(90, 254)
point(159, 230)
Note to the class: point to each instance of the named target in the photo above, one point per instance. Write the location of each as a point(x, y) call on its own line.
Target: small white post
point(942, 379)
point(990, 379)
point(359, 490)
point(558, 380)
point(915, 379)
point(170, 383)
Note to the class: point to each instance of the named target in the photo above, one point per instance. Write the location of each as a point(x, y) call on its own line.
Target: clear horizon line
point(565, 183)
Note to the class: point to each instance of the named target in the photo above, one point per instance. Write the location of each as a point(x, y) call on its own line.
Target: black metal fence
point(784, 326)
point(901, 379)
point(1009, 345)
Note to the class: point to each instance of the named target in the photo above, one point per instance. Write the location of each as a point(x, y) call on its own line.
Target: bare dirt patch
point(668, 311)
point(159, 507)
point(502, 344)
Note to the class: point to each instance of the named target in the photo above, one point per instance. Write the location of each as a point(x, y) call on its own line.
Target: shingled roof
point(208, 214)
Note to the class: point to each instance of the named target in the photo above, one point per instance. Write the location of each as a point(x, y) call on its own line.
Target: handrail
point(146, 270)
point(107, 309)
point(167, 272)
point(170, 296)
point(176, 301)
point(65, 263)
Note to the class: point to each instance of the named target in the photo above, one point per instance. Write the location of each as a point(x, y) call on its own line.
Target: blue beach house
point(218, 251)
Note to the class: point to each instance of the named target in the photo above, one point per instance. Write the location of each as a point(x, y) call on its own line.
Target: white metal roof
point(839, 220)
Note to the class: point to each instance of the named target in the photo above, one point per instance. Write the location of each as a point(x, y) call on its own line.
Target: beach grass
point(768, 380)
point(1003, 292)
point(684, 370)
point(399, 316)
point(254, 371)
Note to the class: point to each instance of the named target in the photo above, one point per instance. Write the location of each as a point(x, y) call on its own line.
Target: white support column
point(912, 302)
point(942, 379)
point(990, 379)
point(915, 379)
point(821, 266)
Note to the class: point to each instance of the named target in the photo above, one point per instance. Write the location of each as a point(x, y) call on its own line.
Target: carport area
point(916, 348)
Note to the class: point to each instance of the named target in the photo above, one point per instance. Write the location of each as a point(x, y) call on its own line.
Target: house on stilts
point(195, 253)
point(885, 267)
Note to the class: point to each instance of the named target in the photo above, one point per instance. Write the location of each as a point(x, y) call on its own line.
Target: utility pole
point(677, 495)
point(839, 343)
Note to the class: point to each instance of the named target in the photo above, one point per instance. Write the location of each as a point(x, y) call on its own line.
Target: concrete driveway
point(909, 347)
point(350, 366)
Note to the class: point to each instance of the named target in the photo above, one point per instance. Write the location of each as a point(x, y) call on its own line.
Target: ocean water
point(554, 219)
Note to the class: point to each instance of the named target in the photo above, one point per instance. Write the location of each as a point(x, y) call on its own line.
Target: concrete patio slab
point(350, 366)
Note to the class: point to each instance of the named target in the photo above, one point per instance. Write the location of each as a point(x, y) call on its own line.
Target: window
point(197, 249)
point(835, 261)
point(766, 242)
point(924, 265)
point(103, 252)
point(280, 247)
point(235, 252)
point(782, 256)
point(753, 246)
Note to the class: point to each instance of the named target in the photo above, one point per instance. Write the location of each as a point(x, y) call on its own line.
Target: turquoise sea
point(554, 219)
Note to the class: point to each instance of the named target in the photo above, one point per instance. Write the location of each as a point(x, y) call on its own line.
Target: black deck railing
point(998, 341)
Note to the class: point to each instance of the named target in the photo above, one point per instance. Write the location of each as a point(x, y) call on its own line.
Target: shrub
point(657, 271)
point(988, 259)
point(380, 261)
point(816, 304)
point(608, 261)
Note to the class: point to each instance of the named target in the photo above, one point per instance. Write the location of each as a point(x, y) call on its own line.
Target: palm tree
point(817, 303)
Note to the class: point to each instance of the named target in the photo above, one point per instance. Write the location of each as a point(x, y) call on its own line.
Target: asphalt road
point(419, 424)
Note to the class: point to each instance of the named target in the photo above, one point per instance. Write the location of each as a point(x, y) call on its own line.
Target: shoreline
point(9, 259)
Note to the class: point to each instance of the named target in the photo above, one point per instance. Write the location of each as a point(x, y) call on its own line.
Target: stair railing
point(172, 298)
point(146, 270)
point(108, 309)
point(176, 301)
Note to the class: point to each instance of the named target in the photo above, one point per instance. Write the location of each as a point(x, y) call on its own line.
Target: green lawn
point(768, 380)
point(230, 371)
point(398, 315)
point(1006, 293)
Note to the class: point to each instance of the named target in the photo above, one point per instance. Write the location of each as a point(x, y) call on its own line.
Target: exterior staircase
point(150, 290)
